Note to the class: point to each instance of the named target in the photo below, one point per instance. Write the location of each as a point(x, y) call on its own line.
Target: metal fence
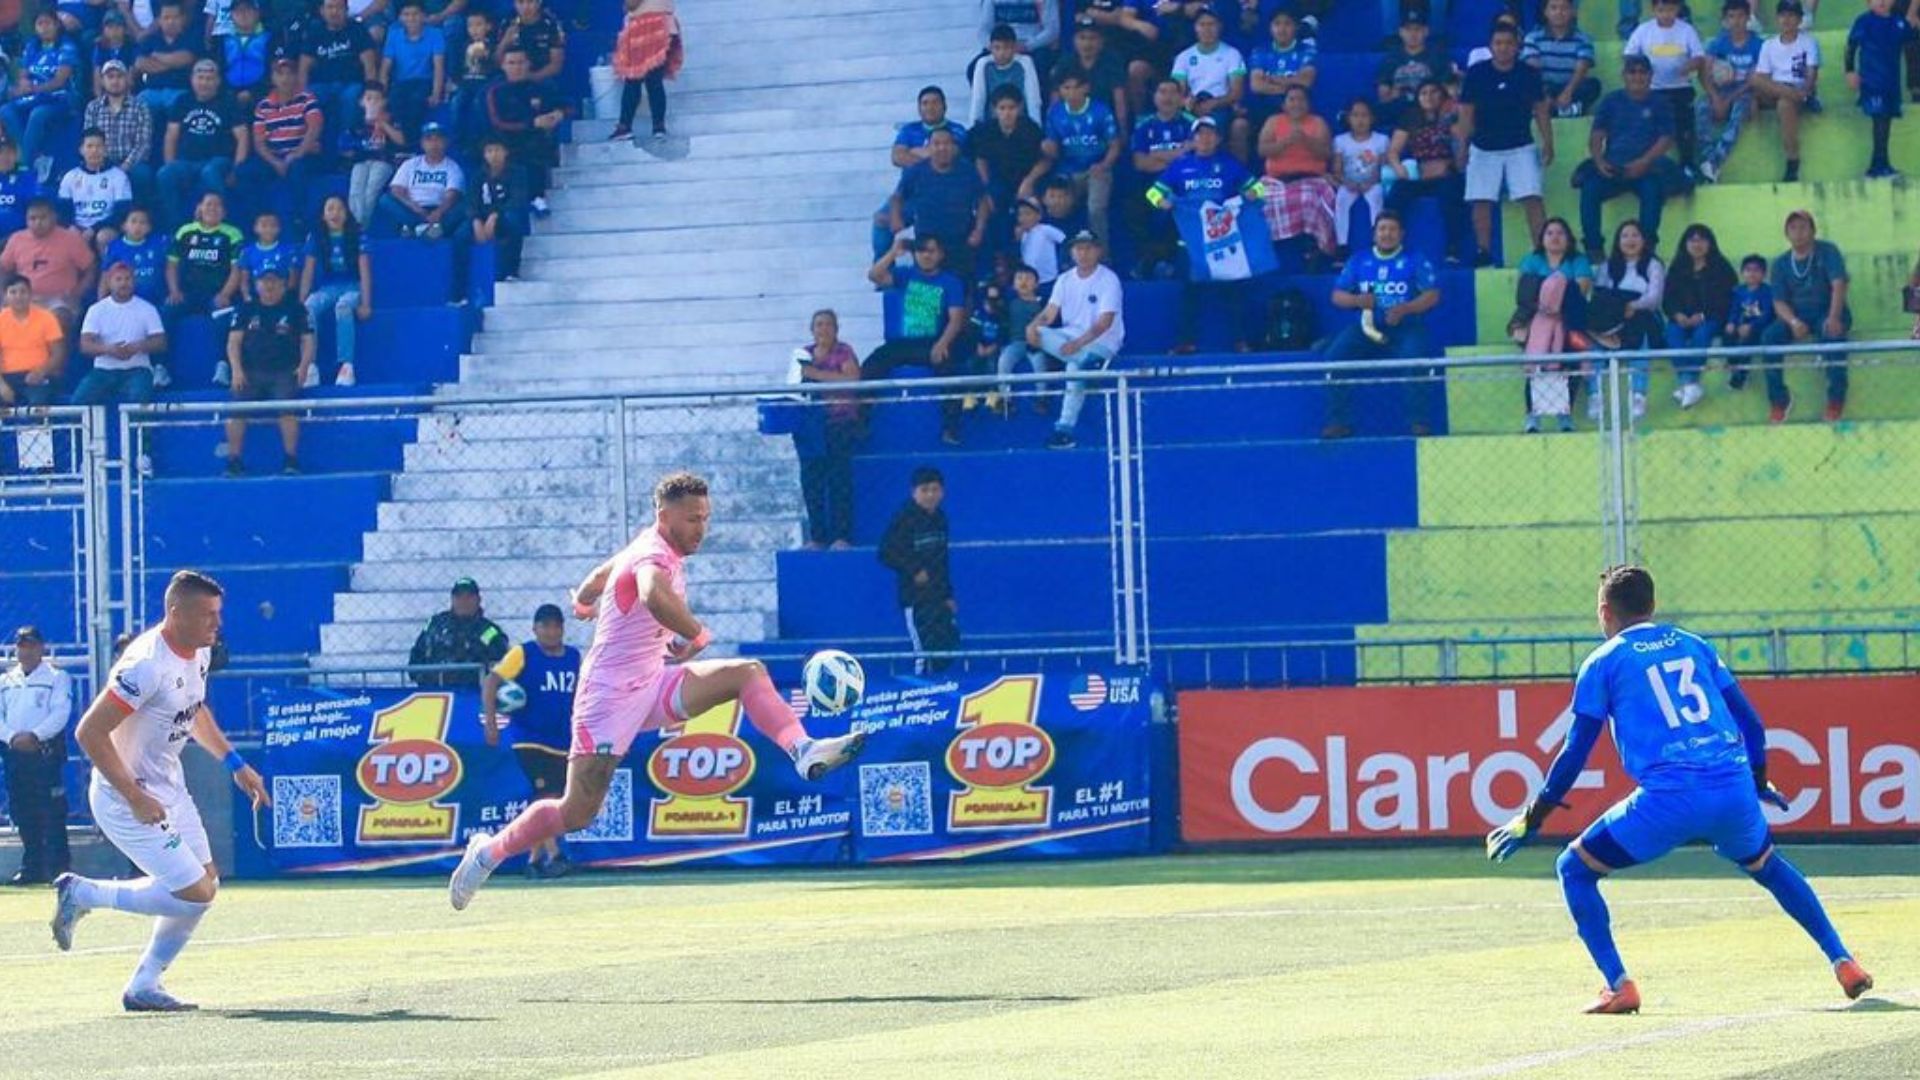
point(1202, 525)
point(54, 571)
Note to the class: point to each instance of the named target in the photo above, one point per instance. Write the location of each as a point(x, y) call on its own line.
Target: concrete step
point(907, 46)
point(738, 148)
point(659, 238)
point(393, 605)
point(506, 485)
point(795, 153)
point(712, 284)
point(867, 65)
point(739, 535)
point(796, 31)
point(690, 191)
point(505, 379)
point(705, 128)
point(594, 353)
point(503, 573)
point(764, 211)
point(745, 11)
point(498, 514)
point(649, 320)
point(623, 266)
point(901, 88)
point(485, 424)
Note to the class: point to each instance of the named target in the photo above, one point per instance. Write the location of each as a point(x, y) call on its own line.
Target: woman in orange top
point(1298, 148)
point(33, 348)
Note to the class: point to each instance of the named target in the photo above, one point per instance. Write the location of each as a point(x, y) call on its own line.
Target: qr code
point(896, 799)
point(306, 812)
point(615, 819)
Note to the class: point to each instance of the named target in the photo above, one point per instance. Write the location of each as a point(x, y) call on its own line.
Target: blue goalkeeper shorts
point(1647, 824)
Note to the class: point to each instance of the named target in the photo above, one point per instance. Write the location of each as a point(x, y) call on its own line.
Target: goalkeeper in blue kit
point(1692, 742)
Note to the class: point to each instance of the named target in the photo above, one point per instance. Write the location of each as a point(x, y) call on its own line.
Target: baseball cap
point(432, 127)
point(1412, 16)
point(1085, 22)
point(28, 633)
point(1206, 122)
point(1805, 215)
point(1034, 203)
point(115, 65)
point(466, 585)
point(1789, 7)
point(198, 66)
point(1085, 236)
point(548, 613)
point(113, 16)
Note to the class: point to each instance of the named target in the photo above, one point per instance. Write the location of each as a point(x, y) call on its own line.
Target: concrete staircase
point(692, 274)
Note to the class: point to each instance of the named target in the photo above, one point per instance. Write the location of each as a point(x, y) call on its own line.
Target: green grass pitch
point(1424, 963)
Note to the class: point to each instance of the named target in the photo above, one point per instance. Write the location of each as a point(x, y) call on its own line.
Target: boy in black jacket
point(915, 549)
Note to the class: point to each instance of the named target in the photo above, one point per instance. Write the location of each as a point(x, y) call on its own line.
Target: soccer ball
point(1722, 73)
point(835, 681)
point(511, 697)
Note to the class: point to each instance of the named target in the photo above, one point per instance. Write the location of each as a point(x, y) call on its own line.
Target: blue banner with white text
point(972, 766)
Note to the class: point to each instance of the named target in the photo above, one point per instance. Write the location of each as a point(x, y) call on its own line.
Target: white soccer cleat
point(154, 999)
point(66, 910)
point(470, 874)
point(821, 756)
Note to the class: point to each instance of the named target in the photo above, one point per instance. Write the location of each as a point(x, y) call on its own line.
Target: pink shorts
point(606, 721)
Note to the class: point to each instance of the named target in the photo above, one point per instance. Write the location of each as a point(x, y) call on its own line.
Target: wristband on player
point(700, 640)
point(234, 761)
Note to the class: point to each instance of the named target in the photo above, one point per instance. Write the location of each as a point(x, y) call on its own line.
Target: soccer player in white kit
point(627, 686)
point(154, 701)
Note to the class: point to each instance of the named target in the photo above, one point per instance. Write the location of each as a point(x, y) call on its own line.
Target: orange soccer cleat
point(1626, 999)
point(1853, 978)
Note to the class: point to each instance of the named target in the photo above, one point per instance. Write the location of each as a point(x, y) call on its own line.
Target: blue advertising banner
point(982, 766)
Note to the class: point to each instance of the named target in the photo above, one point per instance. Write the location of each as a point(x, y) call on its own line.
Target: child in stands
point(1025, 305)
point(1749, 316)
point(1678, 56)
point(647, 54)
point(1874, 46)
point(1788, 78)
point(95, 195)
point(1564, 55)
point(144, 253)
point(498, 203)
point(1358, 153)
point(338, 275)
point(375, 145)
point(1039, 240)
point(266, 254)
point(1063, 212)
point(245, 55)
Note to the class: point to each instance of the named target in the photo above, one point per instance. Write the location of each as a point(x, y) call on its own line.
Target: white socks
point(170, 934)
point(143, 896)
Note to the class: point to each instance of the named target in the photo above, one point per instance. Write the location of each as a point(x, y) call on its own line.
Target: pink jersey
point(629, 645)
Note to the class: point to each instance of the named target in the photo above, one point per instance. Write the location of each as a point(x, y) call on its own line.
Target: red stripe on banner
point(1391, 763)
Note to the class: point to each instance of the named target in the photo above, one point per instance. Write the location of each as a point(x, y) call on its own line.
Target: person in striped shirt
point(1563, 53)
point(286, 142)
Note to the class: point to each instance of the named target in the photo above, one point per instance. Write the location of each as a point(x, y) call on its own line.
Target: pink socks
point(770, 713)
point(541, 821)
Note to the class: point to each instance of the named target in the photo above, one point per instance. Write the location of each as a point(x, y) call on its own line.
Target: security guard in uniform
point(462, 634)
point(36, 702)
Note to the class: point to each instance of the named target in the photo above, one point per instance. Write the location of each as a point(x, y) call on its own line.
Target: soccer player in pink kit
point(627, 687)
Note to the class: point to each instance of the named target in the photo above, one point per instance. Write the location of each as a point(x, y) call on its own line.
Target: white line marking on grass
point(1469, 908)
point(1686, 1031)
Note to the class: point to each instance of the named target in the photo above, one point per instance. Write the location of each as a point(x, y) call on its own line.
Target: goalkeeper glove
point(1767, 792)
point(1505, 840)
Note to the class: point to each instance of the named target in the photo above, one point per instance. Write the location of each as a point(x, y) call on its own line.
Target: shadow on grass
point(329, 1016)
point(856, 999)
point(1880, 1005)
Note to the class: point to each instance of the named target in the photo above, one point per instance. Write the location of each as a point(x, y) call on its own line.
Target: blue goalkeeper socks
point(1582, 888)
point(1789, 886)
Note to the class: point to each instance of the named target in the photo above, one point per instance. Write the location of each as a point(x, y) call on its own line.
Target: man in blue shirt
point(547, 670)
point(1084, 143)
point(926, 318)
point(910, 148)
point(1691, 740)
point(1391, 288)
point(1206, 173)
point(1627, 152)
point(944, 197)
point(1159, 139)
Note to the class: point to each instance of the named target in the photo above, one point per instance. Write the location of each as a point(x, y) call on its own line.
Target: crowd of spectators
point(1122, 125)
point(210, 141)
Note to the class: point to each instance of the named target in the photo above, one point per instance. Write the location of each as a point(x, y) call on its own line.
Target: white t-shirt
point(165, 691)
point(1208, 72)
point(93, 194)
point(122, 324)
point(427, 183)
point(1669, 49)
point(1081, 300)
point(1788, 63)
point(1040, 249)
point(1360, 159)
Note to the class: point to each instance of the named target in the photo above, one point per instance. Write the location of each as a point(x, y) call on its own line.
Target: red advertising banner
point(1454, 761)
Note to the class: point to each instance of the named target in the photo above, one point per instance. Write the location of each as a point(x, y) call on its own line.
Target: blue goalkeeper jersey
point(1662, 690)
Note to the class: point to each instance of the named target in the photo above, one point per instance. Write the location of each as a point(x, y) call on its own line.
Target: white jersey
point(165, 691)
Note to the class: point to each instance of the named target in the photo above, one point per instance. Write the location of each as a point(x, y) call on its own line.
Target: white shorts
point(1519, 167)
point(174, 852)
